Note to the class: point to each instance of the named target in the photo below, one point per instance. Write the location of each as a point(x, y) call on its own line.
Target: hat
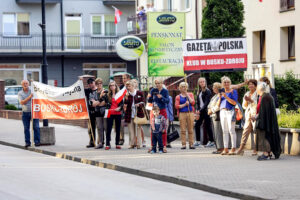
point(90, 80)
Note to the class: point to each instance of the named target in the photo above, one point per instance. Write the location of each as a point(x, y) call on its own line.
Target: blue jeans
point(157, 137)
point(26, 117)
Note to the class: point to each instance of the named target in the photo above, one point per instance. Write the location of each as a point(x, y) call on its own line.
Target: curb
point(151, 175)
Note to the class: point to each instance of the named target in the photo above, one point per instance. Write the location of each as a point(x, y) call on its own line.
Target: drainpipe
point(196, 15)
point(62, 59)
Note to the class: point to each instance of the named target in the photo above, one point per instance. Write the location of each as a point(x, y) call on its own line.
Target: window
point(170, 5)
point(291, 42)
point(103, 25)
point(259, 46)
point(16, 24)
point(185, 5)
point(287, 5)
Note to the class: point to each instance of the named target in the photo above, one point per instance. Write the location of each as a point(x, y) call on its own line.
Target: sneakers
point(152, 152)
point(160, 152)
point(183, 147)
point(118, 147)
point(90, 146)
point(197, 143)
point(144, 143)
point(210, 144)
point(107, 148)
point(99, 146)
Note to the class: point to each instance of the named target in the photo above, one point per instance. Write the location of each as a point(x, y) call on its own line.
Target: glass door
point(73, 33)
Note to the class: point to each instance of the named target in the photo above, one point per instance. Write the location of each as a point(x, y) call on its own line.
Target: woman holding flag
point(113, 113)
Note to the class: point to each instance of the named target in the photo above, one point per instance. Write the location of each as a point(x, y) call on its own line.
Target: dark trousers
point(26, 118)
point(92, 127)
point(157, 138)
point(110, 121)
point(207, 125)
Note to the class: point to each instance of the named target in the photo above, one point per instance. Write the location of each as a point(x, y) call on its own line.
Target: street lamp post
point(44, 62)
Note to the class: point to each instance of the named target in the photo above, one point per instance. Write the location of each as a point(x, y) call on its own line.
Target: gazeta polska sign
point(222, 54)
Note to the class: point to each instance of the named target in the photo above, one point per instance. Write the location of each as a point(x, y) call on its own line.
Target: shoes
point(37, 144)
point(160, 152)
point(99, 146)
point(138, 147)
point(183, 147)
point(240, 153)
point(216, 152)
point(118, 147)
point(192, 147)
point(254, 154)
point(107, 148)
point(90, 146)
point(165, 150)
point(210, 144)
point(224, 153)
point(121, 142)
point(131, 147)
point(27, 145)
point(197, 143)
point(264, 157)
point(152, 152)
point(231, 153)
point(169, 146)
point(144, 143)
point(149, 150)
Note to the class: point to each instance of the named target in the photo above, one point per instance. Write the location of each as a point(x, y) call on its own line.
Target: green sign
point(165, 34)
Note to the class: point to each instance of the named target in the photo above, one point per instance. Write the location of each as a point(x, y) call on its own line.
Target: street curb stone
point(159, 177)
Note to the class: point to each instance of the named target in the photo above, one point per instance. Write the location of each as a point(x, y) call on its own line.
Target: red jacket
point(177, 102)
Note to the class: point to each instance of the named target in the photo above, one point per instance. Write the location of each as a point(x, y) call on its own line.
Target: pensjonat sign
point(223, 54)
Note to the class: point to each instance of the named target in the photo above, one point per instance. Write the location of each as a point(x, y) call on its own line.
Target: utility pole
point(44, 62)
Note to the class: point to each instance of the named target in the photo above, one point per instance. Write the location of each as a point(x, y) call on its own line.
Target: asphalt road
point(28, 175)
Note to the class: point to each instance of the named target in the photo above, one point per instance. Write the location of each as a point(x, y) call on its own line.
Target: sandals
point(224, 153)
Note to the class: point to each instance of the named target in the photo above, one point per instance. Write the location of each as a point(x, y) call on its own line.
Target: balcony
point(287, 5)
point(136, 26)
point(118, 2)
point(72, 43)
point(38, 1)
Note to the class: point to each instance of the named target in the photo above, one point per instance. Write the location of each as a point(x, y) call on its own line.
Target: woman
point(227, 101)
point(214, 113)
point(159, 96)
point(184, 103)
point(249, 104)
point(203, 98)
point(133, 105)
point(267, 136)
point(272, 91)
point(115, 109)
point(98, 102)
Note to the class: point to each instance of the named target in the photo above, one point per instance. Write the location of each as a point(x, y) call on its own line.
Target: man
point(24, 97)
point(125, 78)
point(92, 124)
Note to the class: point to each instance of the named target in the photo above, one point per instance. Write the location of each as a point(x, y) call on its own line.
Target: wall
point(266, 16)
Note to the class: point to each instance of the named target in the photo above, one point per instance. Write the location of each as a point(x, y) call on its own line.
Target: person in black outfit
point(272, 91)
point(92, 125)
point(203, 99)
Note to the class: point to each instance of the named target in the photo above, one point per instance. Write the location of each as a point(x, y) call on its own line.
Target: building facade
point(80, 39)
point(272, 31)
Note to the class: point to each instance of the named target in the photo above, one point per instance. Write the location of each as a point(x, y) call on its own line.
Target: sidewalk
point(235, 176)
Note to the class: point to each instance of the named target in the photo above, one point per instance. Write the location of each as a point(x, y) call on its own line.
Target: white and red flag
point(118, 14)
point(118, 97)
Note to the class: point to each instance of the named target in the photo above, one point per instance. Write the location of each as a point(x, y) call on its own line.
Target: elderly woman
point(133, 105)
point(214, 113)
point(267, 130)
point(203, 99)
point(228, 99)
point(184, 103)
point(159, 96)
point(249, 104)
point(272, 91)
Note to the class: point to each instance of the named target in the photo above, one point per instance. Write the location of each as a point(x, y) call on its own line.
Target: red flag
point(260, 0)
point(118, 14)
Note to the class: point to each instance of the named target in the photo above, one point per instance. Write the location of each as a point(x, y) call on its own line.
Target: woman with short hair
point(228, 99)
point(184, 103)
point(133, 105)
point(214, 113)
point(272, 91)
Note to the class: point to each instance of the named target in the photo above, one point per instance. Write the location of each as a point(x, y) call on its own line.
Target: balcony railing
point(73, 43)
point(136, 25)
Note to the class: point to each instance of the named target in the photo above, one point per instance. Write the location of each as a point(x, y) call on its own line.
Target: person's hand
point(197, 116)
point(118, 109)
point(81, 78)
point(102, 93)
point(247, 98)
point(159, 96)
point(125, 107)
point(187, 103)
point(94, 103)
point(223, 94)
point(253, 119)
point(246, 81)
point(198, 112)
point(209, 112)
point(149, 95)
point(31, 95)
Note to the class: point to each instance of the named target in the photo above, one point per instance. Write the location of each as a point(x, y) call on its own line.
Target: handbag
point(173, 135)
point(141, 120)
point(238, 114)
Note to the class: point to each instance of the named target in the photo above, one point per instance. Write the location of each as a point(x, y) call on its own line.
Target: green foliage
point(288, 91)
point(289, 118)
point(10, 107)
point(223, 19)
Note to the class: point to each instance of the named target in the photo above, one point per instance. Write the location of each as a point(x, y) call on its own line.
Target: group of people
point(214, 110)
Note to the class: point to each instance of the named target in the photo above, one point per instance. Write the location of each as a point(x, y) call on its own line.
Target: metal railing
point(136, 25)
point(33, 43)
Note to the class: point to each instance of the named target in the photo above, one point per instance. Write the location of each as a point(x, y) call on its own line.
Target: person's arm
point(177, 102)
point(152, 123)
point(24, 101)
point(150, 96)
point(238, 86)
point(245, 103)
point(191, 98)
point(165, 96)
point(207, 99)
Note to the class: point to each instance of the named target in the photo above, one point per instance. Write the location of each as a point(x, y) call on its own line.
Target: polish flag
point(118, 14)
point(120, 95)
point(107, 113)
point(260, 0)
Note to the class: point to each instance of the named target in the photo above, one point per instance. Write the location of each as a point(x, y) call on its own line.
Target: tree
point(221, 19)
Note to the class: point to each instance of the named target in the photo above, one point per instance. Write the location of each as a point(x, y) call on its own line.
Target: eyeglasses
point(99, 83)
